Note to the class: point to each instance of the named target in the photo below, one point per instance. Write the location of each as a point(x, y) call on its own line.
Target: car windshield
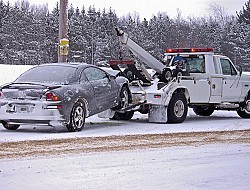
point(55, 74)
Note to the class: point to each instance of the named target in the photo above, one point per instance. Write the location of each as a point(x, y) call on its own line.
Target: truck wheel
point(177, 109)
point(177, 73)
point(8, 126)
point(244, 111)
point(129, 74)
point(203, 110)
point(166, 75)
point(77, 117)
point(123, 116)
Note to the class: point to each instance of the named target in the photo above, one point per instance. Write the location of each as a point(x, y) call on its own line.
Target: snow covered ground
point(210, 166)
point(95, 126)
point(219, 166)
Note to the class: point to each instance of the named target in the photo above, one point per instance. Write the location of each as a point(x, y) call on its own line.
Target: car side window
point(83, 78)
point(227, 67)
point(93, 74)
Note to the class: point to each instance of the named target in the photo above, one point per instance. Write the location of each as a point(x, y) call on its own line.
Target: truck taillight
point(1, 94)
point(189, 50)
point(51, 96)
point(157, 96)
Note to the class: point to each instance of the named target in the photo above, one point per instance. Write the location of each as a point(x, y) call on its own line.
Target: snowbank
point(9, 73)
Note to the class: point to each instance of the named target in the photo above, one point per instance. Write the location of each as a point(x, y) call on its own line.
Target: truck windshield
point(193, 63)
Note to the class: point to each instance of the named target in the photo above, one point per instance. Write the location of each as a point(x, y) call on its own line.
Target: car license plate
point(16, 108)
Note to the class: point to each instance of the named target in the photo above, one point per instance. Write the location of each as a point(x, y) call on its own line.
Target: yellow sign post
point(64, 47)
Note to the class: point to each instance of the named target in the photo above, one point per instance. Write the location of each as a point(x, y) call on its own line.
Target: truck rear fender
point(247, 97)
point(177, 89)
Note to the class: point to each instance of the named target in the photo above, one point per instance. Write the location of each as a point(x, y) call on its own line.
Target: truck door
point(231, 89)
point(216, 88)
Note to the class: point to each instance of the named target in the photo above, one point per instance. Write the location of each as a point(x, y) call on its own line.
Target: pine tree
point(52, 32)
point(244, 15)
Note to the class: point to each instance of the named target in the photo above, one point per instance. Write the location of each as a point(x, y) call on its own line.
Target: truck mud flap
point(157, 114)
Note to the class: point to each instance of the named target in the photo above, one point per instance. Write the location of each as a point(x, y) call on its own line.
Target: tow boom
point(138, 51)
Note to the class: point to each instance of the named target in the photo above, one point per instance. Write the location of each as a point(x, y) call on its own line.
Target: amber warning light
point(189, 50)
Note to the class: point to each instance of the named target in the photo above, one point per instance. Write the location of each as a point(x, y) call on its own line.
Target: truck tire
point(203, 110)
point(166, 75)
point(177, 73)
point(8, 126)
point(244, 111)
point(129, 75)
point(177, 108)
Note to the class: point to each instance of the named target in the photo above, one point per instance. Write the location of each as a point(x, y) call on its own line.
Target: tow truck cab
point(210, 78)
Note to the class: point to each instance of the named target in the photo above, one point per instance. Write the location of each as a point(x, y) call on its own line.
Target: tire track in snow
point(37, 148)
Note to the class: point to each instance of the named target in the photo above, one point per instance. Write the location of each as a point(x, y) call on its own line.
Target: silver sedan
point(62, 94)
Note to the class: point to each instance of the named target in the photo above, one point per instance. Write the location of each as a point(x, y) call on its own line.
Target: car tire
point(203, 110)
point(177, 109)
point(124, 102)
point(8, 126)
point(124, 98)
point(77, 117)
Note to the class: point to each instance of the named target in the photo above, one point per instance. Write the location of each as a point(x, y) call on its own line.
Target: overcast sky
point(146, 8)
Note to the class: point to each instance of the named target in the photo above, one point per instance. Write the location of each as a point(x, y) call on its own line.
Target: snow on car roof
point(68, 64)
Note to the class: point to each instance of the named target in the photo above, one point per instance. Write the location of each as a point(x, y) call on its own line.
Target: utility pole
point(63, 32)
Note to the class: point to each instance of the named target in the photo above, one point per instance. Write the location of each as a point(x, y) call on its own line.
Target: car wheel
point(8, 126)
point(124, 102)
point(124, 96)
point(177, 109)
point(77, 117)
point(203, 110)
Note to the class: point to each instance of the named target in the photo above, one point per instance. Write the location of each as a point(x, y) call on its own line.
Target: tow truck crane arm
point(138, 51)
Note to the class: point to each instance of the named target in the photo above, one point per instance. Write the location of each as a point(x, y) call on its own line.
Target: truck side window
point(227, 67)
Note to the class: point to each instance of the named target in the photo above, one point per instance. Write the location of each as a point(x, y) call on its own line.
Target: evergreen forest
point(29, 33)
